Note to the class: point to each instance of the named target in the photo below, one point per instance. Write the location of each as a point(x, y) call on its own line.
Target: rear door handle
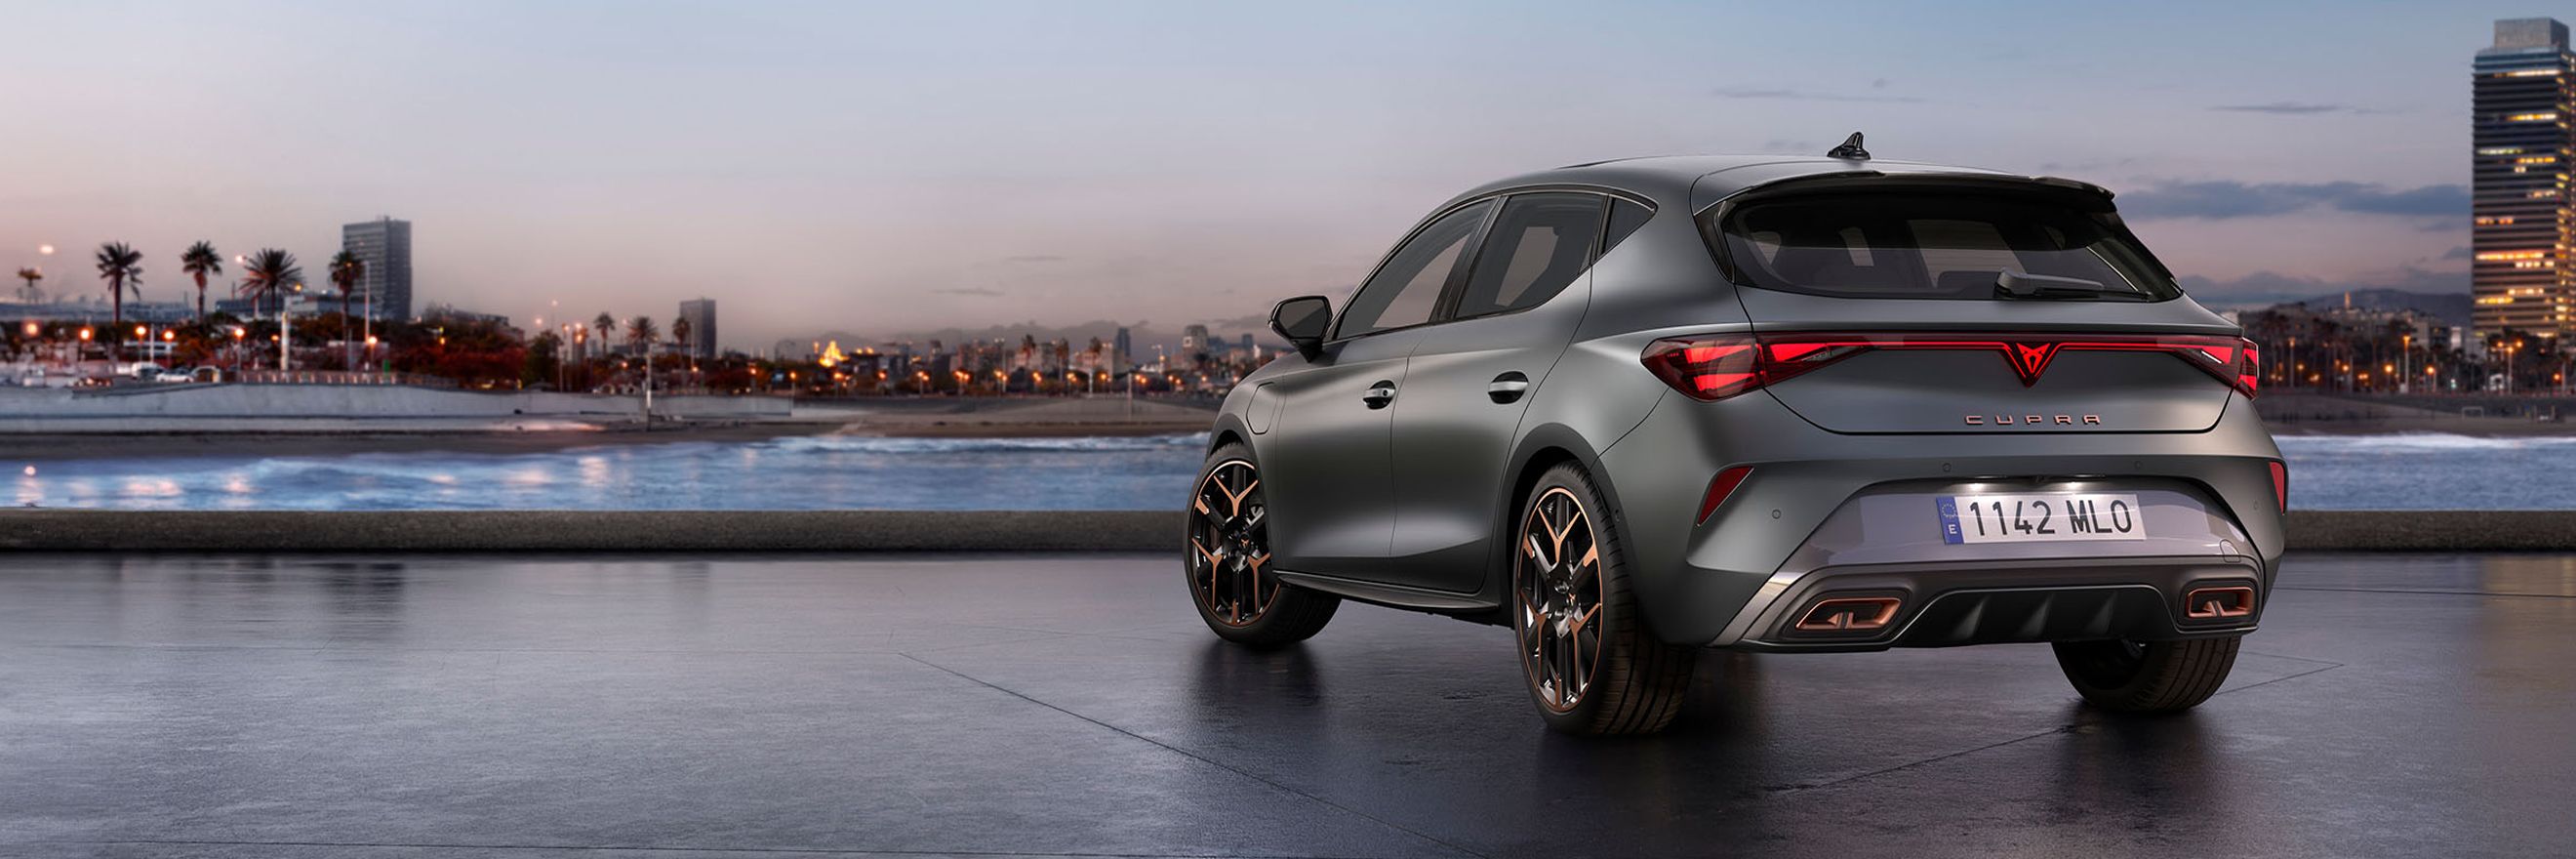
point(1508, 387)
point(1379, 395)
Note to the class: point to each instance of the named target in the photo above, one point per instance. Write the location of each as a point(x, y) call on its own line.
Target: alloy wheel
point(1230, 545)
point(1557, 584)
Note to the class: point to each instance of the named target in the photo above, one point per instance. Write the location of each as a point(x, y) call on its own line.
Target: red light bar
point(1717, 366)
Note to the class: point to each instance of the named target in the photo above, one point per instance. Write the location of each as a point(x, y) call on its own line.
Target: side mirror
point(1303, 321)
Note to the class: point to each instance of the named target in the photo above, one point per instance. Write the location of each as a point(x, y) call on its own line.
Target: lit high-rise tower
point(2524, 100)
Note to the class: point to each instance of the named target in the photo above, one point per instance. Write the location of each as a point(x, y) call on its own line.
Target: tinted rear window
point(1936, 245)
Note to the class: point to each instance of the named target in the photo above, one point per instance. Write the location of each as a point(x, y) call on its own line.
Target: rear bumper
point(1822, 505)
point(1948, 604)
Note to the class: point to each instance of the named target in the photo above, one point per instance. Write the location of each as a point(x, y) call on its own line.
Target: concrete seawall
point(914, 531)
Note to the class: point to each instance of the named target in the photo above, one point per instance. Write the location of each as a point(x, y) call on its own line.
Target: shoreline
point(343, 440)
point(31, 448)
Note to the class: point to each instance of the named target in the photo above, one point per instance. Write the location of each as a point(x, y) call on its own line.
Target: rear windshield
point(1920, 244)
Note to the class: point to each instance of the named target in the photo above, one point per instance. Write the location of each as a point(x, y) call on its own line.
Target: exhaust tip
point(2219, 602)
point(1849, 614)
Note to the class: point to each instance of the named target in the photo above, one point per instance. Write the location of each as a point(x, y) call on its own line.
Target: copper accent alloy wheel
point(1228, 560)
point(1590, 662)
point(1559, 595)
point(1230, 545)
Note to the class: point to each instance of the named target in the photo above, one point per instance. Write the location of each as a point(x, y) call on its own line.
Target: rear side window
point(1536, 247)
point(1625, 218)
point(1937, 245)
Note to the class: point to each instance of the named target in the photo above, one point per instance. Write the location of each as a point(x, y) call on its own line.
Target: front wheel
point(1592, 666)
point(2147, 676)
point(1231, 580)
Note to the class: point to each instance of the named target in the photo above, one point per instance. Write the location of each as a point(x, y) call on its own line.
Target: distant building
point(701, 315)
point(2523, 91)
point(385, 245)
point(90, 310)
point(1194, 346)
point(1123, 353)
point(456, 314)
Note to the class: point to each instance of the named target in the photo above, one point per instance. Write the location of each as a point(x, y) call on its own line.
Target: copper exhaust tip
point(2208, 603)
point(1849, 614)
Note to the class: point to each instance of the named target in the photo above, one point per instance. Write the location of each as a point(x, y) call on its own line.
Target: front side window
point(1407, 288)
point(1539, 243)
point(1947, 245)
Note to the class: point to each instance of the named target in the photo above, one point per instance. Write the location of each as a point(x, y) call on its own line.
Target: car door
point(1326, 465)
point(1470, 379)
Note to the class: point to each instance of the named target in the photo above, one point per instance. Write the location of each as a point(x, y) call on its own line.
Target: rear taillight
point(1718, 366)
point(2249, 369)
point(2281, 485)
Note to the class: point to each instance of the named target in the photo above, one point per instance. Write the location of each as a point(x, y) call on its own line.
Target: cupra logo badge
point(2030, 359)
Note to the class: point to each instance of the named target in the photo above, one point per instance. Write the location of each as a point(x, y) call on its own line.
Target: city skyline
point(1048, 164)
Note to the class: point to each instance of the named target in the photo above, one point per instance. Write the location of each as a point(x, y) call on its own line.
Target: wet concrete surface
point(2393, 705)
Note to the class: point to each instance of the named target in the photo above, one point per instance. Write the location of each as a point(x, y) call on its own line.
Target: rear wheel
point(1228, 560)
point(2147, 676)
point(1592, 666)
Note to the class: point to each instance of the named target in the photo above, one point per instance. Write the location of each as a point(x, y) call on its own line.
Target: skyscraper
point(385, 245)
point(1194, 345)
point(2523, 94)
point(701, 315)
point(1123, 349)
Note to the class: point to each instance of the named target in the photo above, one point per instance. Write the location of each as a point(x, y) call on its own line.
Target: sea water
point(2411, 471)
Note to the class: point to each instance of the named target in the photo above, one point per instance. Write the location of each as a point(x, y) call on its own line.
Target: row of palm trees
point(266, 275)
point(641, 331)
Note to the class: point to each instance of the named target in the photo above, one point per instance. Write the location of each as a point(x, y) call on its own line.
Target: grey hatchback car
point(1635, 409)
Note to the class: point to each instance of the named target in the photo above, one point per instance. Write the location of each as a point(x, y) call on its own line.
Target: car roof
point(1698, 181)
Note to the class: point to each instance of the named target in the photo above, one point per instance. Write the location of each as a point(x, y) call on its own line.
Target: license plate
point(2040, 517)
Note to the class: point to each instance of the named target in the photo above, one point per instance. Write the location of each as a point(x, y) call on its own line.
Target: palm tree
point(266, 275)
point(200, 260)
point(121, 266)
point(642, 333)
point(31, 275)
point(346, 270)
point(680, 335)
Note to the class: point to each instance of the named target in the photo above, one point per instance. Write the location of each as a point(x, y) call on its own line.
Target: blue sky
point(885, 167)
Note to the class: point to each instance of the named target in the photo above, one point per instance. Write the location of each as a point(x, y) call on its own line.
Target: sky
point(881, 168)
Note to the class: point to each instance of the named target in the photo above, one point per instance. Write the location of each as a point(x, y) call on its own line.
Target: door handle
point(1379, 395)
point(1508, 387)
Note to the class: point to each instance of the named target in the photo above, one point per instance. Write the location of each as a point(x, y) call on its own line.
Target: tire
point(2147, 676)
point(1571, 595)
point(1225, 559)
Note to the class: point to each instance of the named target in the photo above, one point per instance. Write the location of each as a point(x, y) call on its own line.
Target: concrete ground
point(2393, 705)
